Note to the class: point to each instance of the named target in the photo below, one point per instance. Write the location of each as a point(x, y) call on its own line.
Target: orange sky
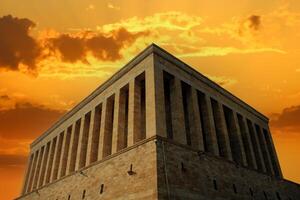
point(54, 54)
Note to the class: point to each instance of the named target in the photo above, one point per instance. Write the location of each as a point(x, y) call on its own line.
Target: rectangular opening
point(255, 145)
point(44, 164)
point(123, 118)
point(96, 134)
point(272, 153)
point(84, 139)
point(109, 118)
point(168, 81)
point(205, 123)
point(141, 106)
point(232, 133)
point(75, 146)
point(263, 148)
point(217, 115)
point(246, 143)
point(51, 158)
point(58, 156)
point(186, 97)
point(66, 151)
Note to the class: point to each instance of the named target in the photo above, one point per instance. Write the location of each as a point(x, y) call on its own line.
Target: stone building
point(157, 129)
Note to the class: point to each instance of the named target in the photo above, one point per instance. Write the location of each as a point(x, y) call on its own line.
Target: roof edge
point(134, 61)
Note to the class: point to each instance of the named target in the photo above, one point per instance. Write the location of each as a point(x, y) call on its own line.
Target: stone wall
point(118, 183)
point(186, 174)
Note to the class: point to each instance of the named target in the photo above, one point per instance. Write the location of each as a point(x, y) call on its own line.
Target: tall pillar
point(57, 156)
point(120, 125)
point(102, 130)
point(83, 143)
point(96, 134)
point(77, 164)
point(211, 136)
point(107, 128)
point(28, 172)
point(239, 140)
point(264, 149)
point(44, 165)
point(38, 168)
point(51, 159)
point(196, 129)
point(274, 158)
point(61, 160)
point(65, 154)
point(248, 143)
point(90, 137)
point(223, 131)
point(156, 118)
point(33, 170)
point(260, 162)
point(178, 122)
point(134, 113)
point(71, 150)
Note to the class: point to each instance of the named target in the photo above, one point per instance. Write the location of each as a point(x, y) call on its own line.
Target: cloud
point(27, 120)
point(223, 51)
point(254, 22)
point(12, 160)
point(103, 46)
point(221, 80)
point(17, 47)
point(288, 120)
point(111, 6)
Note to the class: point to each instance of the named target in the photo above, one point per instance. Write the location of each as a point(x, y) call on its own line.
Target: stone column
point(252, 160)
point(155, 112)
point(134, 112)
point(178, 122)
point(90, 137)
point(102, 131)
point(261, 159)
point(267, 157)
point(239, 140)
point(196, 129)
point(70, 149)
point(51, 159)
point(62, 154)
point(224, 132)
point(57, 156)
point(65, 154)
point(117, 125)
point(77, 164)
point(28, 173)
point(44, 165)
point(119, 140)
point(38, 168)
point(33, 170)
point(211, 137)
point(275, 161)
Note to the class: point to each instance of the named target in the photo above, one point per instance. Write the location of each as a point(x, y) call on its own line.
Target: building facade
point(157, 129)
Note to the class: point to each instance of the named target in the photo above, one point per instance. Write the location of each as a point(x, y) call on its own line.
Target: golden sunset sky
point(54, 53)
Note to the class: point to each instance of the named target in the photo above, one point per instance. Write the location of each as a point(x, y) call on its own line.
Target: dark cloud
point(4, 97)
point(71, 49)
point(12, 160)
point(254, 22)
point(101, 46)
point(288, 120)
point(16, 45)
point(27, 121)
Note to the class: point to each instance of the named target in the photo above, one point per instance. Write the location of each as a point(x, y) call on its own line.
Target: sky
point(54, 53)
